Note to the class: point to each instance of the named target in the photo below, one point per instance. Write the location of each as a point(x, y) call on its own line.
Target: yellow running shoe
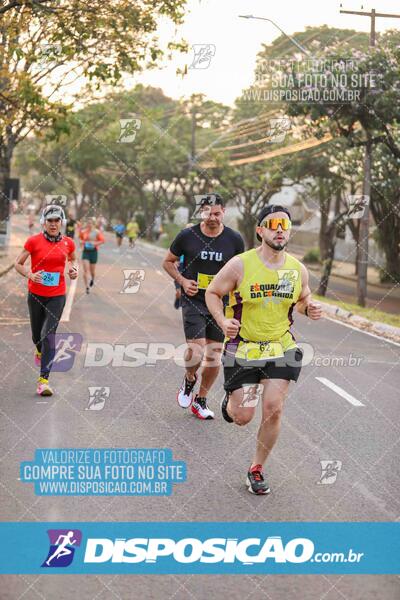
point(43, 388)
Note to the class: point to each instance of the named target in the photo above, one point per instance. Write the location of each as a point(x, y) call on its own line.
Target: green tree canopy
point(48, 47)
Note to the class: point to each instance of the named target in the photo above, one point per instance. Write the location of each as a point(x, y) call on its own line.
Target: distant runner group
point(237, 306)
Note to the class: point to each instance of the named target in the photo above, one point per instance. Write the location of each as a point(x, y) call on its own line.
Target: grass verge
point(368, 313)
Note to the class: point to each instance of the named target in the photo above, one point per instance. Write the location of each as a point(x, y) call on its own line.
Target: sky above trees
point(237, 41)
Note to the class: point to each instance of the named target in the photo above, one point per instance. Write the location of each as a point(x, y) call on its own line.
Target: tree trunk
point(329, 244)
point(5, 170)
point(354, 226)
point(389, 243)
point(356, 259)
point(363, 244)
point(246, 228)
point(325, 204)
point(79, 208)
point(327, 268)
point(110, 211)
point(148, 215)
point(392, 266)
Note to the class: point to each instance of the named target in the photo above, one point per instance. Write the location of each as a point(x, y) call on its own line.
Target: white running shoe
point(201, 410)
point(184, 396)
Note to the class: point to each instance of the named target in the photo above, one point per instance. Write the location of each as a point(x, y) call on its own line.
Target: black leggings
point(45, 313)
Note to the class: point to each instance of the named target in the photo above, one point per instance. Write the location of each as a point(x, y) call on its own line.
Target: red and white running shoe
point(185, 392)
point(201, 410)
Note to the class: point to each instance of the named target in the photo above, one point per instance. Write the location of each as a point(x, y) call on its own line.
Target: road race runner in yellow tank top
point(263, 303)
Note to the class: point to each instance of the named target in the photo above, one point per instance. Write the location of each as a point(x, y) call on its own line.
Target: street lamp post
point(280, 29)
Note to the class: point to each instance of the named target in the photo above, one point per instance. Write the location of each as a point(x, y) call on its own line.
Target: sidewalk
point(16, 242)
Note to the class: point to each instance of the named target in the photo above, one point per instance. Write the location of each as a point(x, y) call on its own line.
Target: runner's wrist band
point(306, 311)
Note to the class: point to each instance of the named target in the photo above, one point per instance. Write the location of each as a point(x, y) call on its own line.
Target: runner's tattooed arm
point(227, 280)
point(305, 304)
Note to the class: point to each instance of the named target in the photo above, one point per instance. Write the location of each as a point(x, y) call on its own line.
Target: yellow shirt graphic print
point(264, 302)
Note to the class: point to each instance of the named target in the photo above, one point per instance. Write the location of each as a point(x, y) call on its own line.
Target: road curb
point(381, 329)
point(161, 251)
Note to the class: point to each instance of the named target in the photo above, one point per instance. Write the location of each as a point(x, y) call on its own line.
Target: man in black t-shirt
point(206, 248)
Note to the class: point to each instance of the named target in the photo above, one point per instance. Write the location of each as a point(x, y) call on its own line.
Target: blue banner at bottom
point(200, 548)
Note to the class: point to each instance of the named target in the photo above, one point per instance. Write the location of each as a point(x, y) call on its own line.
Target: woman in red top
point(49, 251)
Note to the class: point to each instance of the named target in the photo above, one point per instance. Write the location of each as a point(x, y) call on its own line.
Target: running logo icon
point(63, 543)
point(277, 130)
point(49, 54)
point(202, 210)
point(252, 395)
point(203, 54)
point(287, 280)
point(330, 470)
point(97, 397)
point(128, 130)
point(132, 281)
point(357, 205)
point(66, 346)
point(56, 199)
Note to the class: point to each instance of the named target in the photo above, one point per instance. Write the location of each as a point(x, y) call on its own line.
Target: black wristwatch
point(306, 311)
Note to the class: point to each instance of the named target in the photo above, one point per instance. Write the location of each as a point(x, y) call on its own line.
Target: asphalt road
point(319, 424)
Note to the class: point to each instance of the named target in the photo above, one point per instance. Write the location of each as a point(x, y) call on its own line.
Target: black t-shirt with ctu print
point(204, 256)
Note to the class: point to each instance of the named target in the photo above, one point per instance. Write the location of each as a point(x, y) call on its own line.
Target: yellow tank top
point(264, 300)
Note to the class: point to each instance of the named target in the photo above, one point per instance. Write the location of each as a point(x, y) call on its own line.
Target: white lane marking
point(378, 337)
point(382, 362)
point(340, 391)
point(70, 298)
point(38, 402)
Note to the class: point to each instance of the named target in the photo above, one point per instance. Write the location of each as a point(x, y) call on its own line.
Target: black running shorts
point(90, 254)
point(198, 323)
point(237, 374)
